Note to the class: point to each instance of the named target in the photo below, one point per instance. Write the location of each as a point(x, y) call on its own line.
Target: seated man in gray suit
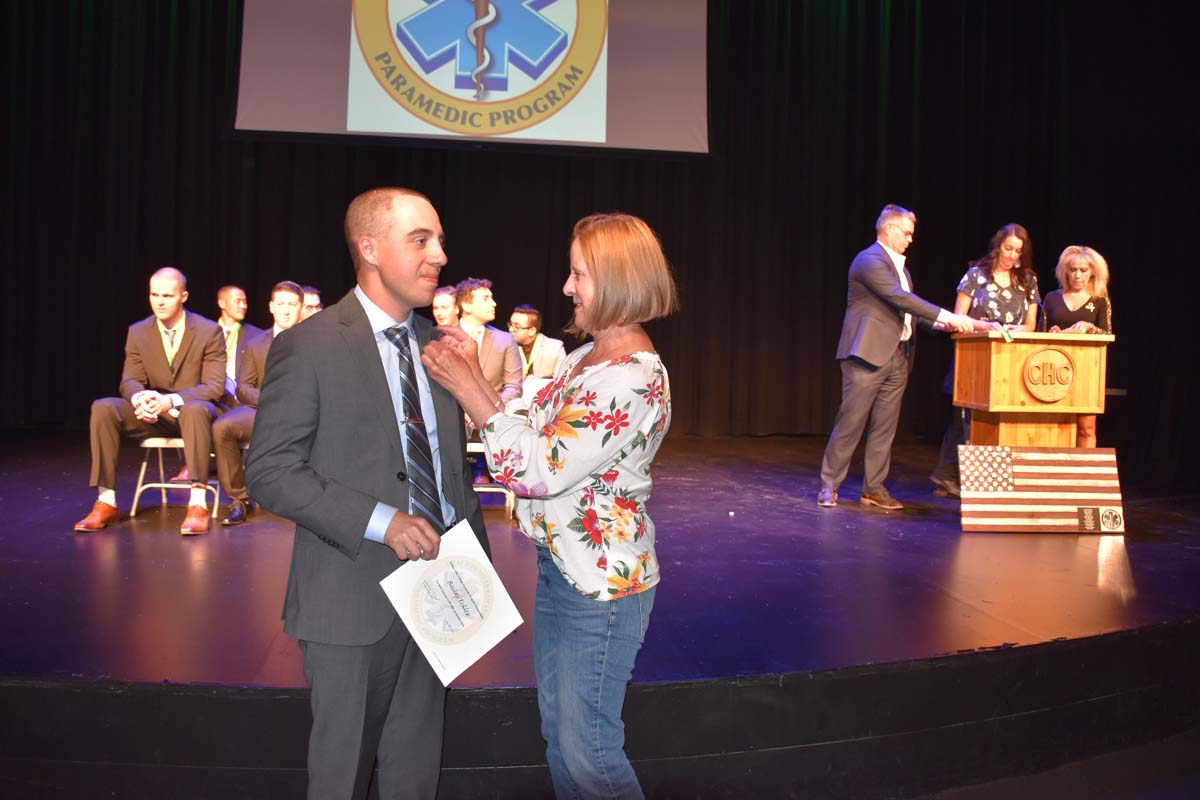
point(235, 427)
point(541, 355)
point(875, 350)
point(366, 454)
point(172, 381)
point(498, 355)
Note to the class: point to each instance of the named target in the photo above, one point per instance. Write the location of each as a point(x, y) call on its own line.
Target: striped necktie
point(423, 499)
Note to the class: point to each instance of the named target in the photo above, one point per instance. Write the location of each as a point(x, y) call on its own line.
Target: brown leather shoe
point(183, 476)
point(196, 521)
point(101, 517)
point(882, 499)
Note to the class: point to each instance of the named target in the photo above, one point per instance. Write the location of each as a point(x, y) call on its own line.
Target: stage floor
point(757, 578)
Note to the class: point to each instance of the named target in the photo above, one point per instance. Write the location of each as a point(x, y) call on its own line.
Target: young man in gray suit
point(366, 455)
point(875, 350)
point(171, 384)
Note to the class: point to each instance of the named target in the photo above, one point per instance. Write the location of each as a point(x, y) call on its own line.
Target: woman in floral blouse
point(578, 458)
point(1000, 288)
point(1080, 305)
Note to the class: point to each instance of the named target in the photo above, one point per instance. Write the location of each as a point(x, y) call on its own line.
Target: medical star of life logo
point(483, 39)
point(482, 67)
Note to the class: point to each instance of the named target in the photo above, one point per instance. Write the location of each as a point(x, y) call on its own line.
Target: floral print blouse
point(578, 458)
point(1007, 305)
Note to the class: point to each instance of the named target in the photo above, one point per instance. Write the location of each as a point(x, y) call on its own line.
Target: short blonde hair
point(632, 277)
point(368, 216)
point(1074, 253)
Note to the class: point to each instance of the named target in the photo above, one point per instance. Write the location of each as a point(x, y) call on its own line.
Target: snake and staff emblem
point(485, 15)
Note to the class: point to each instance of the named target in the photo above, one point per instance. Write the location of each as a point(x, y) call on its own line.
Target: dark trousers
point(871, 399)
point(113, 417)
point(956, 434)
point(230, 432)
point(379, 703)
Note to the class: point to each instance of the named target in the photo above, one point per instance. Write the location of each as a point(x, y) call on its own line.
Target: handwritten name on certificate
point(455, 607)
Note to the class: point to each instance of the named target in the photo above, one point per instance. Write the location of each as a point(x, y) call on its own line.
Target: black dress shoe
point(238, 511)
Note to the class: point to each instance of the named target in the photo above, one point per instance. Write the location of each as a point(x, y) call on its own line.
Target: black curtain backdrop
point(1075, 119)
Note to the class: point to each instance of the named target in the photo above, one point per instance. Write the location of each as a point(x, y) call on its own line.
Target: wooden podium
point(1021, 471)
point(1026, 390)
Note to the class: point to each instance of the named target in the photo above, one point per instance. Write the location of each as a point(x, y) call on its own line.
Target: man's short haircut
point(367, 215)
point(171, 272)
point(224, 291)
point(467, 287)
point(288, 286)
point(632, 279)
point(889, 213)
point(310, 290)
point(534, 315)
point(447, 289)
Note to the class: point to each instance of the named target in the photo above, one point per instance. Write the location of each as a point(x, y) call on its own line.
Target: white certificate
point(455, 607)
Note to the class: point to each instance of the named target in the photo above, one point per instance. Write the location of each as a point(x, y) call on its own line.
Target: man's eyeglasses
point(512, 326)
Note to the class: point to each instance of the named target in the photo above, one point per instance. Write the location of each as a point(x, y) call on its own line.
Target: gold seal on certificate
point(455, 607)
point(455, 598)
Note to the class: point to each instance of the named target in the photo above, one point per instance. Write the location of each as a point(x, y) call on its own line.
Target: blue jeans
point(583, 653)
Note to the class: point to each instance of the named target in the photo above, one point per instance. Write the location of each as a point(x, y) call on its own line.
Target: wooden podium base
point(1022, 429)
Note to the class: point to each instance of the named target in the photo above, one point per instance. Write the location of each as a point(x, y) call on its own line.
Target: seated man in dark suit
point(173, 378)
point(312, 302)
point(234, 427)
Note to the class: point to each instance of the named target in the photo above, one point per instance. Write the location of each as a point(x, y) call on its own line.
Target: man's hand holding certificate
point(455, 607)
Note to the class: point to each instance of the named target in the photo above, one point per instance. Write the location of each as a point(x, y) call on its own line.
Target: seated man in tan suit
point(231, 300)
point(541, 355)
point(234, 427)
point(498, 353)
point(173, 378)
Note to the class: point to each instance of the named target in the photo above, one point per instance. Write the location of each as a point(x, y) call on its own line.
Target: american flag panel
point(1055, 489)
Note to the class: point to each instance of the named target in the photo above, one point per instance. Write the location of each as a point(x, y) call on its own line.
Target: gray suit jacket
point(197, 371)
point(326, 448)
point(875, 307)
point(500, 361)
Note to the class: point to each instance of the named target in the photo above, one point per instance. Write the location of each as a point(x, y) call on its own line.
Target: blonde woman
point(1080, 305)
point(578, 458)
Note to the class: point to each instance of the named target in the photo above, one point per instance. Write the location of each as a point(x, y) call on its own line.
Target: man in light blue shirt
point(368, 457)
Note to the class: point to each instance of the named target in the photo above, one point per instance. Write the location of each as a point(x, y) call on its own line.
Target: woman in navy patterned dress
point(1000, 288)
